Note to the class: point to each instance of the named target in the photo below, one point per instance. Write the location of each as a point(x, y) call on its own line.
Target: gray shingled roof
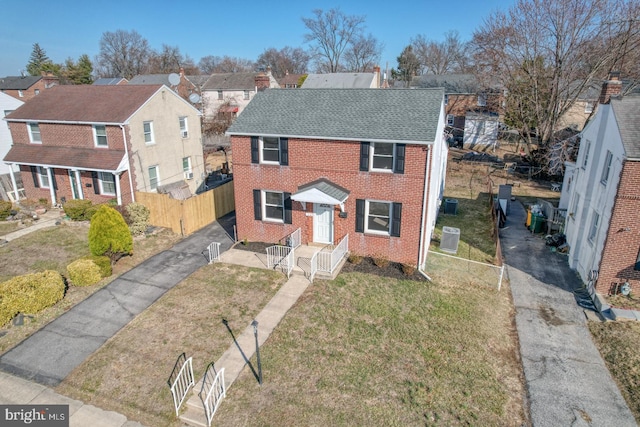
point(339, 81)
point(327, 187)
point(18, 82)
point(409, 115)
point(627, 113)
point(231, 81)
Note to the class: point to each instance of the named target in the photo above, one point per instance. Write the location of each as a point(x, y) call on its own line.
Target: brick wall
point(337, 161)
point(623, 239)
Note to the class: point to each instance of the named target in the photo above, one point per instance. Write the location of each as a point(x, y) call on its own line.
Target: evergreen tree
point(37, 60)
point(109, 234)
point(408, 66)
point(79, 73)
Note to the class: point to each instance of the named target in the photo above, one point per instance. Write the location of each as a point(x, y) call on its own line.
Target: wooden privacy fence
point(186, 216)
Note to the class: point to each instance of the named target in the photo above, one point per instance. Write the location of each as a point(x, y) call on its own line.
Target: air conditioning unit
point(188, 175)
point(450, 239)
point(451, 206)
point(184, 133)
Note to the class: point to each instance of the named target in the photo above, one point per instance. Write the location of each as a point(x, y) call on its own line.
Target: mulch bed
point(366, 265)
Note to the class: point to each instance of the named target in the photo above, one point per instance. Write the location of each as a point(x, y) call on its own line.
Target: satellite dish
point(174, 79)
point(194, 98)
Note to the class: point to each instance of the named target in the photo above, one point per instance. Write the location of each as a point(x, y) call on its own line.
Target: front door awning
point(321, 191)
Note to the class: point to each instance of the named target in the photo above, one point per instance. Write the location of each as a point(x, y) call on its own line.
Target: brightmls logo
point(34, 415)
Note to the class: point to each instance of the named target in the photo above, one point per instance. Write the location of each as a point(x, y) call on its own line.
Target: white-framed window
point(107, 182)
point(186, 168)
point(184, 130)
point(34, 133)
point(575, 206)
point(20, 93)
point(148, 132)
point(379, 217)
point(450, 119)
point(220, 95)
point(246, 94)
point(270, 150)
point(607, 168)
point(43, 177)
point(381, 157)
point(587, 148)
point(593, 230)
point(588, 107)
point(37, 91)
point(154, 178)
point(482, 100)
point(100, 135)
point(272, 206)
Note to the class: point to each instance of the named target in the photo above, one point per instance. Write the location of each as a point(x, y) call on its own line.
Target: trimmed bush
point(84, 272)
point(5, 209)
point(30, 294)
point(109, 235)
point(78, 210)
point(103, 262)
point(138, 218)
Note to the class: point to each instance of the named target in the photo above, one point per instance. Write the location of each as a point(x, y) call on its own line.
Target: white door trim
point(320, 210)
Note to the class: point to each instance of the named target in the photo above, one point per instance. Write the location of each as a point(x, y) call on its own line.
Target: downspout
point(126, 152)
point(422, 259)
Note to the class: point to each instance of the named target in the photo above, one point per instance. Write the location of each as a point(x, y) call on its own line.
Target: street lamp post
point(255, 334)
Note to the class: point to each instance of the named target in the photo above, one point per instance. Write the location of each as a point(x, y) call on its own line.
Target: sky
point(242, 29)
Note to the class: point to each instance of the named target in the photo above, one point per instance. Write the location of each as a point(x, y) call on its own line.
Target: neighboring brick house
point(463, 94)
point(291, 81)
point(7, 105)
point(26, 87)
point(369, 163)
point(105, 142)
point(188, 87)
point(602, 192)
point(225, 95)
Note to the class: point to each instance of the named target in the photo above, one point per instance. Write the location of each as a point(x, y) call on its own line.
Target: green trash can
point(537, 221)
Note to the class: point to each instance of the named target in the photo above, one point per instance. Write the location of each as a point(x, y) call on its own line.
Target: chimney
point(611, 87)
point(262, 82)
point(181, 72)
point(376, 71)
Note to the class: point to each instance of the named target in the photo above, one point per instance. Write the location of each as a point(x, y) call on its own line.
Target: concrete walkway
point(568, 383)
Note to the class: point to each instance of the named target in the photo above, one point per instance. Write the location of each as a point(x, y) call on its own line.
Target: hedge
point(84, 272)
point(29, 294)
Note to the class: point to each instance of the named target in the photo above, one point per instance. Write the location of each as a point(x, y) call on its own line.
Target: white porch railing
point(214, 252)
point(314, 266)
point(294, 239)
point(327, 260)
point(282, 257)
point(182, 382)
point(213, 392)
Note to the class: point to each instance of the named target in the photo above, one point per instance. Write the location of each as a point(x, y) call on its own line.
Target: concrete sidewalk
point(568, 383)
point(51, 218)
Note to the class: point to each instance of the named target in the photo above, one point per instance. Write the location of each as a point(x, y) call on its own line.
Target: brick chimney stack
point(262, 81)
point(376, 71)
point(611, 87)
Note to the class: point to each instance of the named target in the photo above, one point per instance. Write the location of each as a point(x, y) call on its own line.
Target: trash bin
point(537, 221)
point(528, 222)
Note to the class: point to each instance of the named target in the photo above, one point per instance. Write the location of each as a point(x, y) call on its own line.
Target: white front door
point(323, 223)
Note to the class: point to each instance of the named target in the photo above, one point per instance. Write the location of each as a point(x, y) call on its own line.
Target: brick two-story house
point(368, 163)
point(26, 87)
point(105, 142)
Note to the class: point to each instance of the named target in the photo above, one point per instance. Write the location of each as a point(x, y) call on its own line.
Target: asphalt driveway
point(568, 383)
point(50, 354)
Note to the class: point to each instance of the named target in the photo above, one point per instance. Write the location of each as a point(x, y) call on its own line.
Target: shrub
point(408, 269)
point(109, 235)
point(380, 261)
point(355, 259)
point(30, 294)
point(84, 272)
point(138, 218)
point(5, 209)
point(103, 263)
point(77, 210)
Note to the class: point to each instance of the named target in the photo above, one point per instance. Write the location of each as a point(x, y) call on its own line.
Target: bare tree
point(283, 61)
point(123, 54)
point(170, 60)
point(546, 53)
point(447, 56)
point(330, 34)
point(363, 54)
point(227, 64)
